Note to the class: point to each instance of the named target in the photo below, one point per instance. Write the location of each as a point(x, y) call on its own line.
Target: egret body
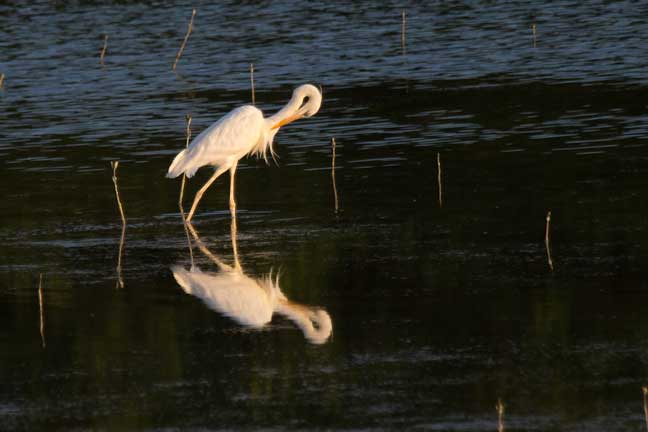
point(244, 131)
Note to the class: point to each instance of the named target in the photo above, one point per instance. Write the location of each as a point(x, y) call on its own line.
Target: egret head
point(305, 102)
point(310, 97)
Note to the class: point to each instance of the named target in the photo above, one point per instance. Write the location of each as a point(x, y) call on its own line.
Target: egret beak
point(287, 120)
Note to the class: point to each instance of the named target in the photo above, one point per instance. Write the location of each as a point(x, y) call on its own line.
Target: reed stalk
point(120, 280)
point(2, 76)
point(184, 177)
point(547, 241)
point(403, 25)
point(645, 404)
point(252, 81)
point(439, 180)
point(182, 187)
point(500, 415)
point(103, 50)
point(41, 309)
point(186, 38)
point(335, 193)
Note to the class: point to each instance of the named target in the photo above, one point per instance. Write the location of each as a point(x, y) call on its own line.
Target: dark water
point(437, 311)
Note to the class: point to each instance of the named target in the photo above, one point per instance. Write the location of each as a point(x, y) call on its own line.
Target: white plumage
point(224, 142)
point(242, 132)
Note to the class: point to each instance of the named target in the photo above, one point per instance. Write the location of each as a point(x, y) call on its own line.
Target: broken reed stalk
point(115, 165)
point(547, 243)
point(252, 81)
point(645, 404)
point(403, 31)
point(120, 280)
point(500, 415)
point(335, 193)
point(40, 307)
point(103, 50)
point(439, 179)
point(533, 29)
point(186, 38)
point(1, 81)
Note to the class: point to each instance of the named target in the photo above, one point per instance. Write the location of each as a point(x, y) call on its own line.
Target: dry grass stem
point(120, 280)
point(1, 81)
point(252, 81)
point(547, 242)
point(500, 415)
point(439, 179)
point(40, 307)
point(103, 50)
point(533, 29)
point(186, 38)
point(335, 193)
point(645, 404)
point(403, 31)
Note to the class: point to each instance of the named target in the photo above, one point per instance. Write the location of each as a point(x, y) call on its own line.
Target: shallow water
point(437, 310)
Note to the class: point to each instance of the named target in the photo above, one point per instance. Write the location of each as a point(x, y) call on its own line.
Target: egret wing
point(231, 137)
point(223, 143)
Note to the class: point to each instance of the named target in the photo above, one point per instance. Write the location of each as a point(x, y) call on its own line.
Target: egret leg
point(232, 200)
point(237, 262)
point(202, 190)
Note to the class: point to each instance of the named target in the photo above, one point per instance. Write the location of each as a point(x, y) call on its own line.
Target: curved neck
point(289, 109)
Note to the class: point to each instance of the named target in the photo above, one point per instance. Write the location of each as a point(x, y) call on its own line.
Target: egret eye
point(305, 101)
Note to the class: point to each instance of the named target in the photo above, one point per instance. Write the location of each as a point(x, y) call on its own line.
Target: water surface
point(437, 310)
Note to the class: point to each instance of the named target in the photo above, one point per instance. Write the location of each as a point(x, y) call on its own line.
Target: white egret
point(249, 301)
point(242, 132)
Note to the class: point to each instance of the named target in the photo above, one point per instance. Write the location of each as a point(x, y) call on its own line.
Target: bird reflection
point(248, 300)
